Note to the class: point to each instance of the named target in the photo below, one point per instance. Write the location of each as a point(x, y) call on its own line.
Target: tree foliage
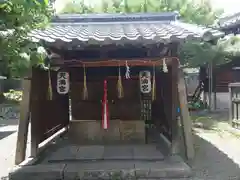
point(18, 18)
point(191, 11)
point(195, 54)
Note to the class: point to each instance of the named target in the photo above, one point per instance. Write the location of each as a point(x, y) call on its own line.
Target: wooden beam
point(185, 117)
point(23, 123)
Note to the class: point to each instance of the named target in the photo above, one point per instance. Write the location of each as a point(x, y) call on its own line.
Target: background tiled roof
point(229, 21)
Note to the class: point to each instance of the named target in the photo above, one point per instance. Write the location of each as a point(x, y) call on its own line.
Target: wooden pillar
point(230, 104)
point(185, 117)
point(37, 99)
point(214, 91)
point(23, 123)
point(210, 89)
point(174, 121)
point(34, 140)
point(173, 51)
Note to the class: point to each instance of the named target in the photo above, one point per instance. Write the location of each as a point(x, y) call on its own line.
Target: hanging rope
point(154, 84)
point(49, 85)
point(147, 62)
point(119, 84)
point(85, 90)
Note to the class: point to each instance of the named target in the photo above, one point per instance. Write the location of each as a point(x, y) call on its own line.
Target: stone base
point(91, 132)
point(170, 168)
point(132, 131)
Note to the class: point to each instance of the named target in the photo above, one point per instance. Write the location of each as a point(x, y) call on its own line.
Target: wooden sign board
point(145, 81)
point(62, 82)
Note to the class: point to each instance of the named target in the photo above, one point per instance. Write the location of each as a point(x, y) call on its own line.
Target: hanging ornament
point(127, 74)
point(165, 69)
point(49, 85)
point(119, 84)
point(105, 113)
point(85, 90)
point(154, 84)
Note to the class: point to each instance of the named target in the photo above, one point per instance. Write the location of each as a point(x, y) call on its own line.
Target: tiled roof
point(229, 21)
point(102, 28)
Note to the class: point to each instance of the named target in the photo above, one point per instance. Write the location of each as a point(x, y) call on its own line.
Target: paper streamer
point(127, 74)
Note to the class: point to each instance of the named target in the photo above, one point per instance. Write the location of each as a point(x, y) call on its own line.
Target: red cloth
point(105, 112)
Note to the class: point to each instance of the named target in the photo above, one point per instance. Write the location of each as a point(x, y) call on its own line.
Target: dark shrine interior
point(130, 106)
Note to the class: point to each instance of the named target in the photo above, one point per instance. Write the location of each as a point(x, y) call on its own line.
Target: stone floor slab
point(162, 169)
point(99, 170)
point(118, 152)
point(147, 152)
point(64, 153)
point(38, 172)
point(90, 153)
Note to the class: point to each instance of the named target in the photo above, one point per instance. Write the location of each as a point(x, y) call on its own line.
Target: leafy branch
point(18, 18)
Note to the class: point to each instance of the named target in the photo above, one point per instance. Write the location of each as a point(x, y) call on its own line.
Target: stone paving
point(84, 162)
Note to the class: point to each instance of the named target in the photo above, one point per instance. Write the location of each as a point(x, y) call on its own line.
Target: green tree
point(18, 18)
point(194, 54)
point(191, 11)
point(77, 7)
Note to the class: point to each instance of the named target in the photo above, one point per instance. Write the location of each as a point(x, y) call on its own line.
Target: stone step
point(170, 168)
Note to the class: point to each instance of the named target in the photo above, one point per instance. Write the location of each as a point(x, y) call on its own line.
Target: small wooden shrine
point(110, 76)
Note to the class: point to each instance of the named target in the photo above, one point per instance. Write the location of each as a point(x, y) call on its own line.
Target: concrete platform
point(104, 162)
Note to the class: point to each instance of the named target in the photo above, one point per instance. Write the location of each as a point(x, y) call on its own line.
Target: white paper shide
point(145, 81)
point(62, 82)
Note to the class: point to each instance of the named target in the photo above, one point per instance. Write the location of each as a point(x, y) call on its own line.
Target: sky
point(229, 6)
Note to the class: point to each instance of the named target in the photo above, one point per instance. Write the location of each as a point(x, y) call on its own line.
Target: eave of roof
point(122, 28)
